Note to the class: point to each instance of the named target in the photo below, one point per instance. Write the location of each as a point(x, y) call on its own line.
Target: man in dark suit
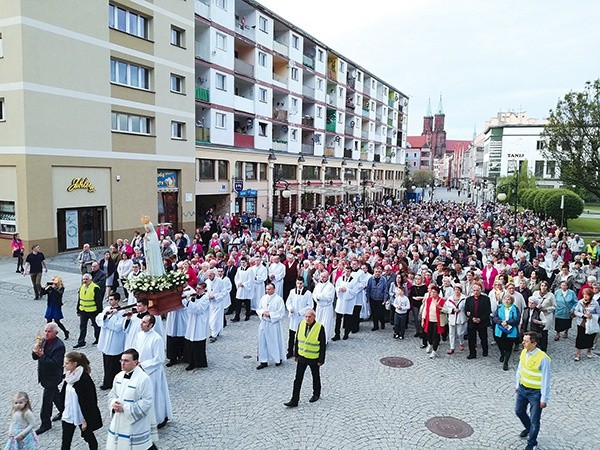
point(478, 310)
point(230, 271)
point(49, 353)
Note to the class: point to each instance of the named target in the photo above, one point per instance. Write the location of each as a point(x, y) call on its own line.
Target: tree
point(525, 181)
point(572, 137)
point(422, 178)
point(573, 205)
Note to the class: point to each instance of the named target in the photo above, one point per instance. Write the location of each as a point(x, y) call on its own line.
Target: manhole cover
point(247, 356)
point(449, 427)
point(394, 361)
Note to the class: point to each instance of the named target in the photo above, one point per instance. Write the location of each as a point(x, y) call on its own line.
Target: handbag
point(591, 325)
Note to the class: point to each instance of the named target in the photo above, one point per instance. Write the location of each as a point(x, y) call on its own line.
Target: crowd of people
point(459, 272)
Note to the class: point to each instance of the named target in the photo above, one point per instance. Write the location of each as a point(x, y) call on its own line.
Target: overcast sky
point(482, 56)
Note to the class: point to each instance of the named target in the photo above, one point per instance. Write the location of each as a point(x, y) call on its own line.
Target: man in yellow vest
point(533, 387)
point(309, 351)
point(89, 304)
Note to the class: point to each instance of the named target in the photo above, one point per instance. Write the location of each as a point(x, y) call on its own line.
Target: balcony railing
point(364, 134)
point(281, 48)
point(243, 67)
point(280, 114)
point(377, 158)
point(349, 129)
point(308, 121)
point(202, 94)
point(351, 82)
point(244, 30)
point(330, 126)
point(390, 122)
point(203, 8)
point(331, 74)
point(202, 135)
point(329, 151)
point(308, 149)
point(280, 79)
point(280, 145)
point(365, 112)
point(348, 153)
point(308, 91)
point(308, 61)
point(243, 140)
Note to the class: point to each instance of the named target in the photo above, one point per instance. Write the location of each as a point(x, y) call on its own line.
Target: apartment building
point(116, 108)
point(97, 103)
point(276, 109)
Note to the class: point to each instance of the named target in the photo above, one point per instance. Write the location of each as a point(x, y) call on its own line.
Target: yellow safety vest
point(86, 298)
point(530, 374)
point(308, 346)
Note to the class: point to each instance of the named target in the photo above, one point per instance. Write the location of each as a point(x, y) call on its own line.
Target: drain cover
point(449, 427)
point(394, 361)
point(247, 356)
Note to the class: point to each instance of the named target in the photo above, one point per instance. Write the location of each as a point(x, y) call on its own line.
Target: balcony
point(308, 121)
point(391, 102)
point(308, 149)
point(351, 82)
point(245, 30)
point(350, 104)
point(203, 8)
point(280, 145)
point(308, 91)
point(202, 52)
point(349, 130)
point(281, 48)
point(243, 68)
point(348, 153)
point(390, 122)
point(243, 140)
point(330, 126)
point(202, 135)
point(377, 158)
point(202, 94)
point(364, 134)
point(308, 62)
point(365, 112)
point(280, 80)
point(280, 114)
point(243, 104)
point(332, 74)
point(329, 151)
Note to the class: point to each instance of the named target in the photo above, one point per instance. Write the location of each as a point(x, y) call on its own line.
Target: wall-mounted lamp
point(118, 178)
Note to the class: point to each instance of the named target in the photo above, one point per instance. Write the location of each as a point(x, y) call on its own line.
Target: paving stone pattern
point(364, 403)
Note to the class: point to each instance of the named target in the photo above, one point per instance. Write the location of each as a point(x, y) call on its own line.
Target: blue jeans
point(531, 421)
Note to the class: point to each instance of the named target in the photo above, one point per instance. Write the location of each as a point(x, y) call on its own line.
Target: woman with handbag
point(506, 327)
point(17, 251)
point(587, 312)
point(54, 290)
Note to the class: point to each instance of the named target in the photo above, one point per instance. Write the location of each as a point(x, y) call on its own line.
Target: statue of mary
point(152, 253)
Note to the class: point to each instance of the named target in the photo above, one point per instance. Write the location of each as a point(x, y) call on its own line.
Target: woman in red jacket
point(432, 319)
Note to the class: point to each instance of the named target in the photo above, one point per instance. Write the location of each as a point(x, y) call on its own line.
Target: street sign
point(238, 185)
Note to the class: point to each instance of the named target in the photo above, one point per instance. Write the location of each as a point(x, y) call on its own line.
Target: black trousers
point(356, 318)
point(348, 323)
point(505, 345)
point(377, 313)
point(433, 337)
point(175, 345)
point(49, 397)
point(474, 329)
point(112, 366)
point(195, 353)
point(68, 429)
point(83, 320)
point(301, 366)
point(238, 309)
point(291, 339)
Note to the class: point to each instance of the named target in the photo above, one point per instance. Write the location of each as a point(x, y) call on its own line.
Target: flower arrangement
point(149, 284)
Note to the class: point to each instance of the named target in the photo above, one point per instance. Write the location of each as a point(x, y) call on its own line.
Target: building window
point(222, 4)
point(341, 91)
point(295, 41)
point(551, 169)
point(320, 112)
point(342, 66)
point(177, 36)
point(262, 171)
point(250, 171)
point(1, 48)
point(263, 24)
point(220, 82)
point(8, 217)
point(238, 170)
point(222, 170)
point(359, 77)
point(221, 42)
point(262, 129)
point(372, 105)
point(177, 84)
point(221, 121)
point(539, 169)
point(539, 145)
point(262, 59)
point(339, 117)
point(127, 21)
point(206, 169)
point(129, 74)
point(294, 135)
point(319, 84)
point(294, 103)
point(2, 117)
point(130, 123)
point(373, 84)
point(294, 73)
point(320, 54)
point(262, 95)
point(177, 130)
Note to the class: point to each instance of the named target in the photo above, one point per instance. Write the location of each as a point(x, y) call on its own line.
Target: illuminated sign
point(81, 183)
point(516, 155)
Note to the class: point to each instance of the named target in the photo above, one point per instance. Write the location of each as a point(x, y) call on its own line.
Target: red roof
point(454, 144)
point(416, 141)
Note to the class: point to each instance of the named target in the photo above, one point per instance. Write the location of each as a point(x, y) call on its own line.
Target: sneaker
point(429, 349)
point(462, 347)
point(450, 352)
point(396, 336)
point(432, 354)
point(79, 345)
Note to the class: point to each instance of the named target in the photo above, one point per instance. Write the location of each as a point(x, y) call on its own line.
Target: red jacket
point(427, 303)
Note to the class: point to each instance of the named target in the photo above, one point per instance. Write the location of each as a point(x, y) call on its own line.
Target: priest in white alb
point(277, 274)
point(216, 292)
point(299, 301)
point(323, 294)
point(270, 310)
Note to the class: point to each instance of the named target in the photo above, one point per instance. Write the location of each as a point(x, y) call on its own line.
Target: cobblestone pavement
point(364, 404)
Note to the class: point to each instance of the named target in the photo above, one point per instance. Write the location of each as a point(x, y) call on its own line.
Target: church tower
point(438, 141)
point(428, 121)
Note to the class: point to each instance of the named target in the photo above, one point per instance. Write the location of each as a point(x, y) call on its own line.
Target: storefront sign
point(248, 193)
point(516, 155)
point(238, 185)
point(166, 179)
point(72, 228)
point(81, 183)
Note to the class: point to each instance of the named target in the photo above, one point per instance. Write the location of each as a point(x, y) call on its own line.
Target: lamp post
point(285, 192)
point(516, 191)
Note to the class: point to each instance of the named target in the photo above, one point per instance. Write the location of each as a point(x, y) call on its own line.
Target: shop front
point(167, 185)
